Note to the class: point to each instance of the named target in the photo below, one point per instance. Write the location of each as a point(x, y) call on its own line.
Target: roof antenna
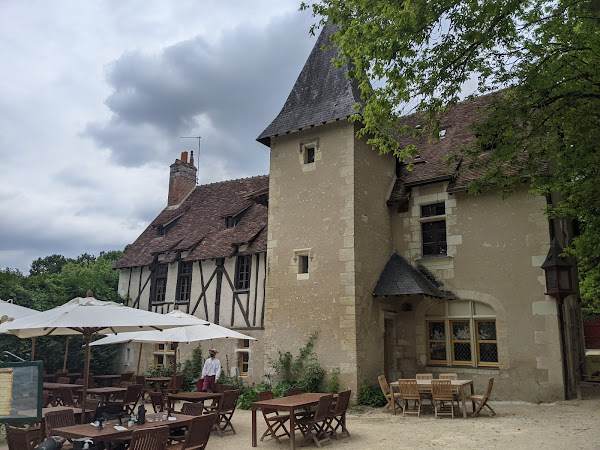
point(194, 137)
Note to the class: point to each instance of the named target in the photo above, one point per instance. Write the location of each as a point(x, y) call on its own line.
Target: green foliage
point(333, 384)
point(371, 395)
point(542, 59)
point(53, 281)
point(192, 370)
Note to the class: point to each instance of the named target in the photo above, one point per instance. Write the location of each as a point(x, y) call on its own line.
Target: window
point(160, 230)
point(462, 333)
point(309, 156)
point(232, 221)
point(160, 347)
point(164, 354)
point(159, 283)
point(159, 360)
point(245, 343)
point(184, 282)
point(308, 152)
point(242, 272)
point(435, 209)
point(434, 238)
point(244, 363)
point(303, 264)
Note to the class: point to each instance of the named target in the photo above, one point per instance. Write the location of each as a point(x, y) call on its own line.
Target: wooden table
point(192, 397)
point(105, 392)
point(108, 433)
point(56, 386)
point(107, 379)
point(457, 385)
point(288, 403)
point(159, 382)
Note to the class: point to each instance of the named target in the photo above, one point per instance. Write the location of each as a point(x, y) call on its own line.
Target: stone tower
point(329, 226)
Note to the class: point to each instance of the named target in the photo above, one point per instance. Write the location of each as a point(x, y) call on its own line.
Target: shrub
point(371, 395)
point(333, 385)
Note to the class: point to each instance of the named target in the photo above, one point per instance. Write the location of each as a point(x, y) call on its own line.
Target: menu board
point(21, 392)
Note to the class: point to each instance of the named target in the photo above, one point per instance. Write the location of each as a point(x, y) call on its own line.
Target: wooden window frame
point(158, 347)
point(156, 363)
point(245, 343)
point(433, 209)
point(158, 289)
point(469, 341)
point(439, 238)
point(485, 341)
point(246, 355)
point(444, 341)
point(243, 269)
point(184, 282)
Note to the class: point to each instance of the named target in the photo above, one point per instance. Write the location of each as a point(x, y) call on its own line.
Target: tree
point(49, 264)
point(542, 60)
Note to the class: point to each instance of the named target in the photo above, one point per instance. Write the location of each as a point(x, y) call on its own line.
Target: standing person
point(211, 372)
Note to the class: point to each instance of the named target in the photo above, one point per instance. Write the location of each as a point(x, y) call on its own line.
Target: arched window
point(461, 333)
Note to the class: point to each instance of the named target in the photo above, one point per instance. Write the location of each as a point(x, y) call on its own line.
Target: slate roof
point(198, 225)
point(399, 277)
point(321, 92)
point(430, 166)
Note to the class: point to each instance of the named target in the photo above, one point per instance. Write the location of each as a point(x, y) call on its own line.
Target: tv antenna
point(194, 137)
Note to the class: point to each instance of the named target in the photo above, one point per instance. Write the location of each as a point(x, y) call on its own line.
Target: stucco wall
point(495, 250)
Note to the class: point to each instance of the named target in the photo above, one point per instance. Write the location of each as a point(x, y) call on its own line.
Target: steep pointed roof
point(321, 93)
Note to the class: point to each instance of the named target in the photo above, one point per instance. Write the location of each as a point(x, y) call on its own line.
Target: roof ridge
point(235, 179)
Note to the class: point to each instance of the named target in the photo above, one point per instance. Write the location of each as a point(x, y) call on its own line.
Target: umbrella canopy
point(201, 332)
point(88, 316)
point(9, 312)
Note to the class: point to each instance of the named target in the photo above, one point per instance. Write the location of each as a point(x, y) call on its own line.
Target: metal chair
point(155, 438)
point(273, 418)
point(197, 434)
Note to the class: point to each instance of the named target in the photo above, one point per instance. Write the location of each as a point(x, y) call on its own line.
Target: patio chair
point(337, 416)
point(442, 392)
point(158, 400)
point(64, 380)
point(155, 438)
point(141, 379)
point(221, 388)
point(293, 391)
point(273, 418)
point(58, 419)
point(59, 374)
point(91, 406)
point(313, 427)
point(391, 396)
point(197, 434)
point(174, 385)
point(482, 400)
point(192, 409)
point(131, 397)
point(409, 390)
point(67, 398)
point(22, 438)
point(426, 395)
point(448, 376)
point(225, 412)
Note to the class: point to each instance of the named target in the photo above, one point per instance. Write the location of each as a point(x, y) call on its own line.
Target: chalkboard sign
point(21, 392)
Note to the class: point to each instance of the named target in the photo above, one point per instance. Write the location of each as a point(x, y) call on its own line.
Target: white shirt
point(212, 367)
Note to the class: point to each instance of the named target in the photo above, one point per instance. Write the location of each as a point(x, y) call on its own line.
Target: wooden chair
point(337, 416)
point(59, 374)
point(426, 395)
point(67, 398)
point(274, 420)
point(141, 379)
point(313, 427)
point(482, 400)
point(131, 397)
point(221, 388)
point(22, 438)
point(64, 380)
point(448, 376)
point(155, 438)
point(58, 419)
point(442, 392)
point(409, 390)
point(158, 401)
point(91, 406)
point(391, 396)
point(197, 434)
point(192, 409)
point(293, 391)
point(225, 412)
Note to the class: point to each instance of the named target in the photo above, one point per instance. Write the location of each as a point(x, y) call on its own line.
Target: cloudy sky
point(94, 99)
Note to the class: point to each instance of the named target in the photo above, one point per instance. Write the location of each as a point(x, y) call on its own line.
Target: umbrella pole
point(176, 344)
point(139, 360)
point(33, 349)
point(86, 374)
point(66, 353)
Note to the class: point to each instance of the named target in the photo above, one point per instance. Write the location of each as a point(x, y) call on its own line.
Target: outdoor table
point(159, 382)
point(107, 379)
point(290, 404)
point(57, 386)
point(192, 397)
point(457, 385)
point(105, 392)
point(108, 433)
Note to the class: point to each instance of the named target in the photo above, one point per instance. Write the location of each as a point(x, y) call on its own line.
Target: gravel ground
point(560, 425)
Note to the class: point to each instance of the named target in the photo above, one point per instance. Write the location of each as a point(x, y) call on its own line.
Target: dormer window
point(160, 230)
point(233, 220)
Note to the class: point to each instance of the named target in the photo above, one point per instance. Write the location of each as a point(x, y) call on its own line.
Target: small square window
point(245, 343)
point(303, 264)
point(309, 155)
point(435, 209)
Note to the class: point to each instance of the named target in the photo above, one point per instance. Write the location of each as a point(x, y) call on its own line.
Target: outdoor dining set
point(439, 395)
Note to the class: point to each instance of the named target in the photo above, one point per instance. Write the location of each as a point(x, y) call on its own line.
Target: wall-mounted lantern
point(558, 270)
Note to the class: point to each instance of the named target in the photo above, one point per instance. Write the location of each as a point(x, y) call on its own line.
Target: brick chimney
point(182, 179)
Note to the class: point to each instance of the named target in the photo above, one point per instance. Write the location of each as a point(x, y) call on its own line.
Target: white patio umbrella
point(201, 332)
point(9, 312)
point(89, 317)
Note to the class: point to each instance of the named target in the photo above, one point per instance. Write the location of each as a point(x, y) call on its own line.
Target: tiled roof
point(400, 278)
point(198, 225)
point(430, 166)
point(321, 93)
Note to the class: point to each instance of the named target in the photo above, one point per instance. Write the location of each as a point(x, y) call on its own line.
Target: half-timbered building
point(204, 254)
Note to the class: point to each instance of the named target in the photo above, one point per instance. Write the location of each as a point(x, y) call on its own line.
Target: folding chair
point(481, 400)
point(409, 390)
point(448, 376)
point(391, 396)
point(424, 376)
point(313, 427)
point(337, 416)
point(131, 397)
point(225, 412)
point(274, 420)
point(155, 438)
point(442, 392)
point(158, 400)
point(197, 434)
point(192, 409)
